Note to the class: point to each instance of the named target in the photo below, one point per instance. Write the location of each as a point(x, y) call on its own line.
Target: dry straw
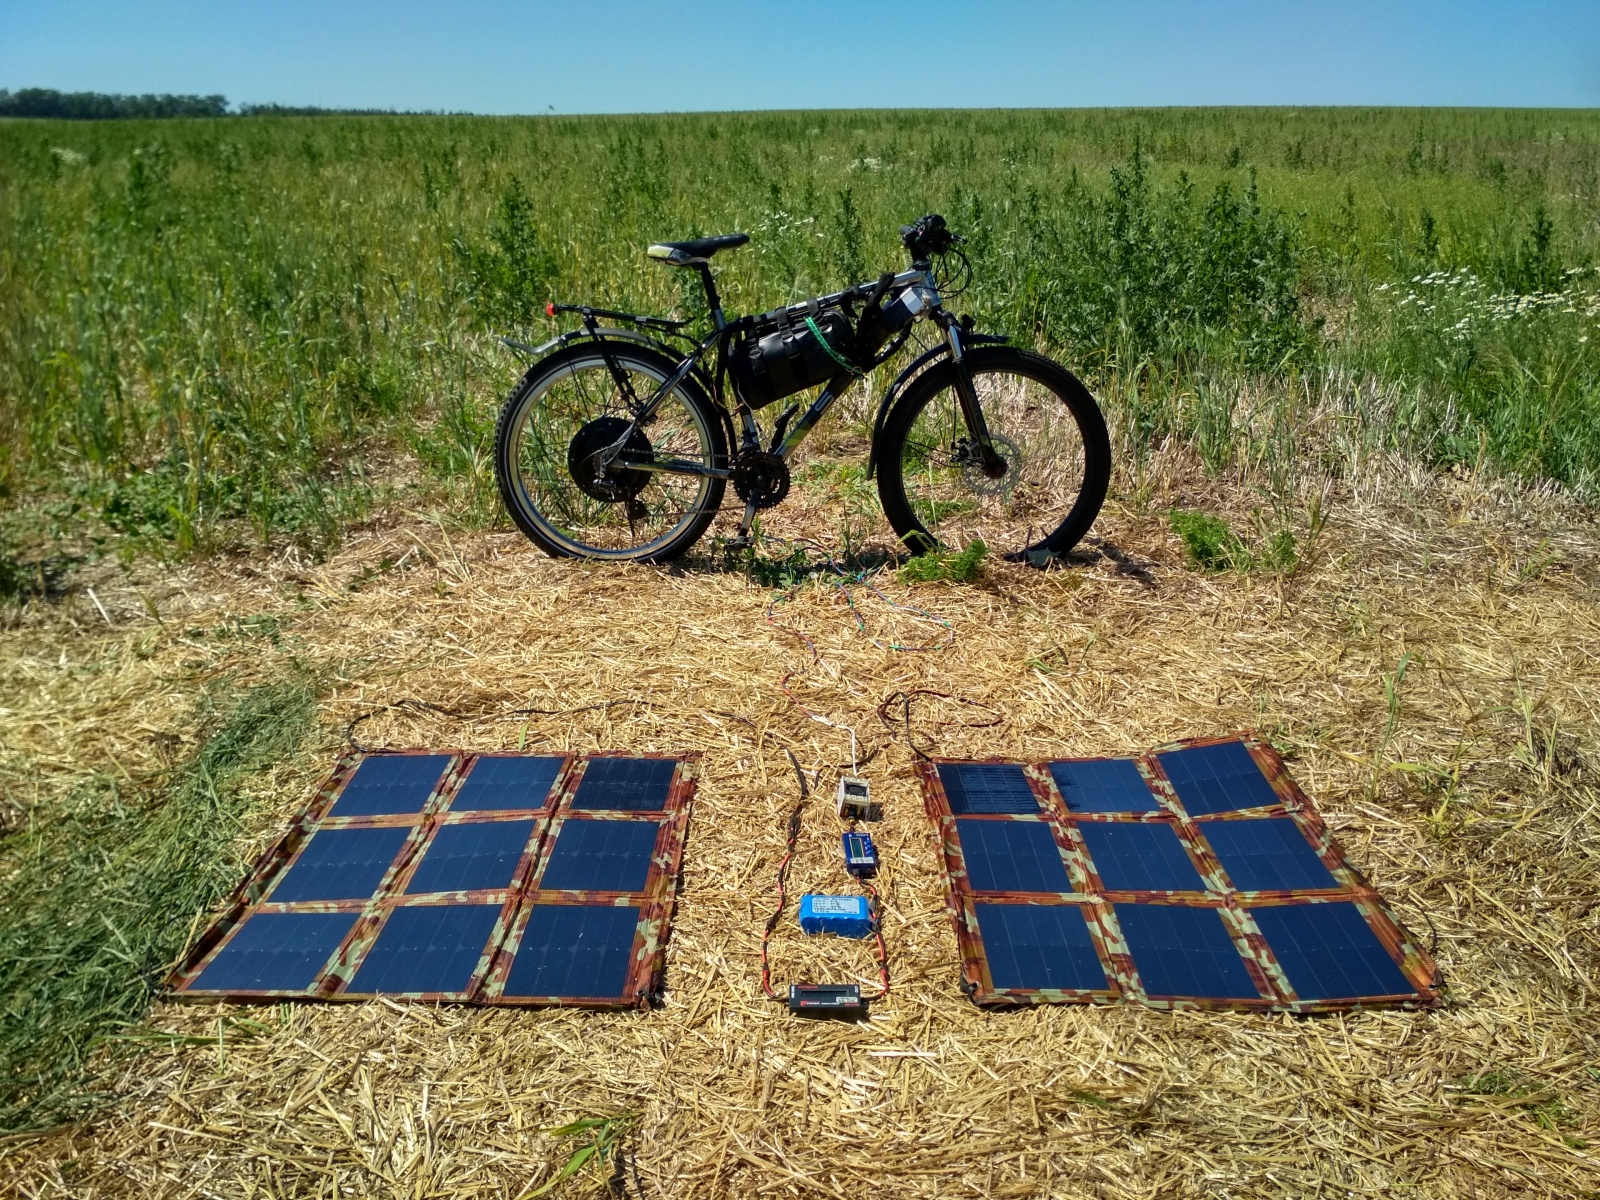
point(1466, 789)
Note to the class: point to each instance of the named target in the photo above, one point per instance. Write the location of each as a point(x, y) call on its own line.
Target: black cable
point(904, 699)
point(783, 870)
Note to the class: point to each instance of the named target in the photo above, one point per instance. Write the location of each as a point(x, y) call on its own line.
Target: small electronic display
point(860, 855)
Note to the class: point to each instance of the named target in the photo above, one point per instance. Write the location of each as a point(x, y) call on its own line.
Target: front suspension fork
point(989, 459)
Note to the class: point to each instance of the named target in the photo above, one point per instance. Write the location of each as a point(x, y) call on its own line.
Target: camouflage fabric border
point(655, 902)
point(1234, 905)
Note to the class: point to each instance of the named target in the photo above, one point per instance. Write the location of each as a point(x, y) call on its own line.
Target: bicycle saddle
point(692, 253)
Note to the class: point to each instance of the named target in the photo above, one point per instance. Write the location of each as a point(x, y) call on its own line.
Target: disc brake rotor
point(973, 475)
point(613, 482)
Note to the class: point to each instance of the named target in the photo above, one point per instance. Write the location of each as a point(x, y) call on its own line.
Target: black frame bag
point(784, 356)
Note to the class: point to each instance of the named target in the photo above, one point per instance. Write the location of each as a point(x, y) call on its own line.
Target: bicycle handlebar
point(927, 236)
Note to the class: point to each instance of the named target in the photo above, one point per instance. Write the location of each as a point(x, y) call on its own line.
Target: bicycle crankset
point(608, 482)
point(760, 478)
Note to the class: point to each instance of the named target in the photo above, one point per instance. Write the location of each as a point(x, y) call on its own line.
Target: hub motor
point(968, 457)
point(609, 482)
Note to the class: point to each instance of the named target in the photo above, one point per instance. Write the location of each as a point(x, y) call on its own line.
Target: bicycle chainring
point(760, 478)
point(980, 481)
point(613, 483)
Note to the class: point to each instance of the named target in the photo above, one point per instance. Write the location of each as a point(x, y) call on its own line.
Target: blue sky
point(497, 57)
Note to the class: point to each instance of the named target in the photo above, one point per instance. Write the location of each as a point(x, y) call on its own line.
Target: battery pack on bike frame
point(783, 355)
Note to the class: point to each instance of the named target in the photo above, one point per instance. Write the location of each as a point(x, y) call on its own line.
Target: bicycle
point(612, 447)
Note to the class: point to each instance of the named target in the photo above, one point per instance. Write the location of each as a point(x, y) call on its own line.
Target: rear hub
point(614, 481)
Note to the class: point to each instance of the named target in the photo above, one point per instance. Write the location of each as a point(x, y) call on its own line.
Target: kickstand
point(742, 539)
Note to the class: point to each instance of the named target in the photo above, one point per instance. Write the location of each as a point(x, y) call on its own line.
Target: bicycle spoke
point(956, 500)
point(661, 502)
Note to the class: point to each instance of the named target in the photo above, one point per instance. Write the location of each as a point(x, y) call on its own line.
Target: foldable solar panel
point(483, 879)
point(1105, 785)
point(1195, 876)
point(624, 784)
point(987, 788)
point(505, 781)
point(573, 950)
point(390, 784)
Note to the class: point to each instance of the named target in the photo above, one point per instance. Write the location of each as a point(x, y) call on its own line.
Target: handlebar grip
point(926, 236)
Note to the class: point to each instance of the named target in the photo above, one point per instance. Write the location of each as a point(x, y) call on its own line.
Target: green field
point(214, 332)
point(248, 382)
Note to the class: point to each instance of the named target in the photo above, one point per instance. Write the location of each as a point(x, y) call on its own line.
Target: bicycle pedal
point(742, 541)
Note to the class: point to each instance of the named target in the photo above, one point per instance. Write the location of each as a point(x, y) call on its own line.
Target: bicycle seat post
point(713, 300)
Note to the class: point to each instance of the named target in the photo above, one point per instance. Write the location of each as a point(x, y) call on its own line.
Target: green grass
point(1211, 545)
point(99, 894)
point(946, 566)
point(1208, 543)
point(1538, 1103)
point(210, 328)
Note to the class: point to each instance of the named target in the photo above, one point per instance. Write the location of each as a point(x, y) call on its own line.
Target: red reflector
point(550, 309)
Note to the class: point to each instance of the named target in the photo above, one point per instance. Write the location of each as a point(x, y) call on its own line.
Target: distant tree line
point(102, 106)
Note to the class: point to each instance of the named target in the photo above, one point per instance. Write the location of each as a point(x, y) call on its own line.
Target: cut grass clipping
point(945, 566)
point(604, 1141)
point(98, 894)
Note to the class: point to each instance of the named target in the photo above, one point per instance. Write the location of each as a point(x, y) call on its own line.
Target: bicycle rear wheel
point(1042, 422)
point(552, 439)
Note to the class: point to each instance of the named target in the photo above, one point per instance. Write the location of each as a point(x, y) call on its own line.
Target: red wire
point(877, 932)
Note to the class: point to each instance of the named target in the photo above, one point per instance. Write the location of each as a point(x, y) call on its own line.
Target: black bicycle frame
point(786, 440)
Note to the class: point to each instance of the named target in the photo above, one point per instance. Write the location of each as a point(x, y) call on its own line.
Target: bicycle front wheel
point(562, 486)
point(1042, 422)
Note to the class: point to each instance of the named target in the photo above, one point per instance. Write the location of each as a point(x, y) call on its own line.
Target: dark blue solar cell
point(429, 948)
point(504, 782)
point(1012, 856)
point(1267, 855)
point(601, 856)
point(277, 952)
point(340, 864)
point(574, 951)
point(385, 784)
point(1146, 856)
point(1329, 952)
point(1106, 785)
point(1039, 946)
point(464, 858)
point(625, 784)
point(1184, 952)
point(987, 788)
point(1218, 778)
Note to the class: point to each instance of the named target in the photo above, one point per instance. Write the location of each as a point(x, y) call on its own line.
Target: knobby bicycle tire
point(952, 484)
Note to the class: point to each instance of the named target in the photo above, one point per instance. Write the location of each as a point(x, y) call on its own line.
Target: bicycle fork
point(989, 460)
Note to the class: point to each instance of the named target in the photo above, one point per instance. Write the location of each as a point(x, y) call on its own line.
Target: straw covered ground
point(1432, 672)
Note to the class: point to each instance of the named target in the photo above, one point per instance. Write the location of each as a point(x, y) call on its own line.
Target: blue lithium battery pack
point(847, 916)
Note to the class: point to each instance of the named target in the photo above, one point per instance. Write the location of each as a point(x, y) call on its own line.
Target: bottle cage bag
point(781, 355)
